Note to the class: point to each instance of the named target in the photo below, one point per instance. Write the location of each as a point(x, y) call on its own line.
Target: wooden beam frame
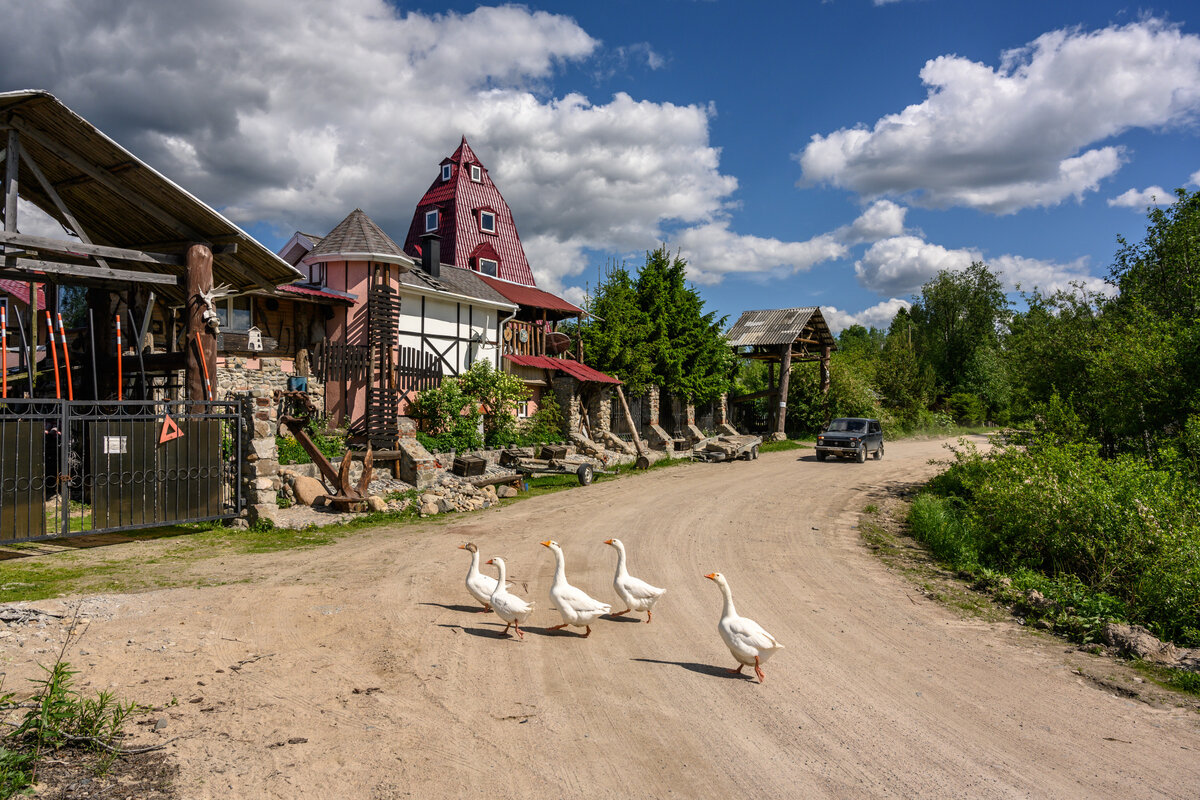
point(88, 271)
point(68, 248)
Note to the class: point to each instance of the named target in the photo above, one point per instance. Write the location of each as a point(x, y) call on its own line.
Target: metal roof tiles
point(573, 368)
point(530, 296)
point(458, 200)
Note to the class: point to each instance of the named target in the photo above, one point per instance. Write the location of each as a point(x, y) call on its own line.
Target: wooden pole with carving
point(199, 280)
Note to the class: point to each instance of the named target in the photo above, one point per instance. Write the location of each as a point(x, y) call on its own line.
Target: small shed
point(782, 335)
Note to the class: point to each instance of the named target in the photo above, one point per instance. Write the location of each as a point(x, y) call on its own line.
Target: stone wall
point(260, 472)
point(242, 374)
point(566, 391)
point(600, 411)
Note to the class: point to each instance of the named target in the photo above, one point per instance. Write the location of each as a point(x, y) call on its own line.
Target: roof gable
point(458, 199)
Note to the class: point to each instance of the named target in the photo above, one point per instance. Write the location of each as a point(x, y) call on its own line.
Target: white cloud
point(879, 315)
point(1141, 198)
point(1195, 179)
point(1018, 135)
point(294, 112)
point(902, 264)
point(881, 220)
point(713, 251)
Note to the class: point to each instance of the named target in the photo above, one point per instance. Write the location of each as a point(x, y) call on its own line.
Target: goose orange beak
point(490, 561)
point(546, 543)
point(462, 547)
point(712, 576)
point(608, 541)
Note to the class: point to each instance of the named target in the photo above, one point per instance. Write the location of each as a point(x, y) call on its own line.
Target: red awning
point(530, 296)
point(576, 370)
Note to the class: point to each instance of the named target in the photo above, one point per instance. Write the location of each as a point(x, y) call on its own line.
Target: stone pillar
point(261, 470)
point(689, 414)
point(417, 465)
point(600, 409)
point(566, 391)
point(655, 436)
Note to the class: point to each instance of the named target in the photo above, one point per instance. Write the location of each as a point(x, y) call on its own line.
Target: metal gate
point(69, 468)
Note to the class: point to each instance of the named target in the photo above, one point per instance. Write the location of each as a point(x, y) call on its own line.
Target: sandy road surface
point(371, 651)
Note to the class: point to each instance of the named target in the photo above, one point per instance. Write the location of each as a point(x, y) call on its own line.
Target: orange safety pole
point(204, 363)
point(62, 334)
point(120, 386)
point(54, 354)
point(4, 347)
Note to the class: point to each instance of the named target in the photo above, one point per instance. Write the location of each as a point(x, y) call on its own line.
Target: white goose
point(745, 638)
point(636, 594)
point(479, 585)
point(510, 608)
point(575, 605)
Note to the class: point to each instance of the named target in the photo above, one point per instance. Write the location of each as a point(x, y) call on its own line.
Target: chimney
point(431, 254)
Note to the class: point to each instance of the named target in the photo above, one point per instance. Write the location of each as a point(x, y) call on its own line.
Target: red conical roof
point(459, 200)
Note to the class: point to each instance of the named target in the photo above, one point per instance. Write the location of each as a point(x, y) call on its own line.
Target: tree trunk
point(785, 374)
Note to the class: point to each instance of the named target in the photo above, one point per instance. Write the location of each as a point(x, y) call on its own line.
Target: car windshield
point(847, 426)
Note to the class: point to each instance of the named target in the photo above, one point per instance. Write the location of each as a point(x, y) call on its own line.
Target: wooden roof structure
point(131, 223)
point(763, 332)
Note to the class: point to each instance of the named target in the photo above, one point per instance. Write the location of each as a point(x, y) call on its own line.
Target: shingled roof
point(358, 237)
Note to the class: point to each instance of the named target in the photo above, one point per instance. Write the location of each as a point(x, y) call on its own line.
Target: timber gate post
point(785, 374)
point(198, 281)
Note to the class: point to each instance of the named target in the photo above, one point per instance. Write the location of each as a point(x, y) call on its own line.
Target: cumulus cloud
point(902, 264)
point(1020, 134)
point(1141, 198)
point(1195, 179)
point(713, 251)
point(294, 112)
point(881, 220)
point(879, 315)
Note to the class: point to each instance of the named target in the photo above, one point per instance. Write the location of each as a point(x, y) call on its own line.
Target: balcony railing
point(524, 339)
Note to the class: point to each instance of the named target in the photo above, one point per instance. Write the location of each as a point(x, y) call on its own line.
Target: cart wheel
point(754, 453)
point(642, 463)
point(584, 473)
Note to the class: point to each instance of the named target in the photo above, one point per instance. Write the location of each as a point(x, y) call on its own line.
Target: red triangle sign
point(170, 430)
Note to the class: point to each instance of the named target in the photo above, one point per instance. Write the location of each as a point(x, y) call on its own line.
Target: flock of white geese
point(749, 643)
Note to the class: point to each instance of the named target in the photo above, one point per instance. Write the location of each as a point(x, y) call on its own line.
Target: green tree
point(957, 313)
point(1161, 273)
point(653, 329)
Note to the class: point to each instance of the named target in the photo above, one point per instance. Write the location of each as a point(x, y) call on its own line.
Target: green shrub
point(939, 523)
point(546, 424)
point(967, 408)
point(331, 445)
point(1118, 527)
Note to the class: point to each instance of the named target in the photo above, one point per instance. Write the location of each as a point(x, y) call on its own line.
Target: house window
point(235, 313)
point(446, 172)
point(487, 222)
point(431, 221)
point(316, 273)
point(489, 266)
point(523, 409)
point(476, 173)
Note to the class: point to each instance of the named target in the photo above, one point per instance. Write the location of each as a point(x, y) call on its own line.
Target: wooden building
point(780, 337)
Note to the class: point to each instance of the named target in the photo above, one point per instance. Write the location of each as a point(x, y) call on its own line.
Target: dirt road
point(370, 657)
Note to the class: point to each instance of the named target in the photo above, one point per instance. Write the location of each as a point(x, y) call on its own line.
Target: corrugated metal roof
point(576, 370)
point(121, 201)
point(531, 296)
point(459, 281)
point(457, 200)
point(779, 326)
point(311, 291)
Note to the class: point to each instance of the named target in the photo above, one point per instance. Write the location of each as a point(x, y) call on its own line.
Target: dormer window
point(431, 221)
point(446, 172)
point(476, 173)
point(489, 266)
point(487, 221)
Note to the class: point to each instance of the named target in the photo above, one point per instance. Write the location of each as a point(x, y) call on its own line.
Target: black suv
point(851, 437)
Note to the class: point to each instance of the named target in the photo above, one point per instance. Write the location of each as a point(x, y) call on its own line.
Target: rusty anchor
point(348, 498)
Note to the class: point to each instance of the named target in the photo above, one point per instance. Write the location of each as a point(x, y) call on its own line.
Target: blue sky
point(798, 153)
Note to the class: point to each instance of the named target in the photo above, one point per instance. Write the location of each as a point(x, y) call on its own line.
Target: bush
point(330, 445)
point(546, 424)
point(967, 408)
point(939, 523)
point(452, 411)
point(1119, 527)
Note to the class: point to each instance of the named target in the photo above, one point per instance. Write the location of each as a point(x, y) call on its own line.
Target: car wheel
point(862, 454)
point(879, 452)
point(821, 456)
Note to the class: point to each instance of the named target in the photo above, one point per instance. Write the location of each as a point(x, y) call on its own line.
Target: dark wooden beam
point(69, 248)
point(201, 344)
point(88, 271)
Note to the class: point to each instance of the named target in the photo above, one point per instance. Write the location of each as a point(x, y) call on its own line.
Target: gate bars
point(83, 467)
